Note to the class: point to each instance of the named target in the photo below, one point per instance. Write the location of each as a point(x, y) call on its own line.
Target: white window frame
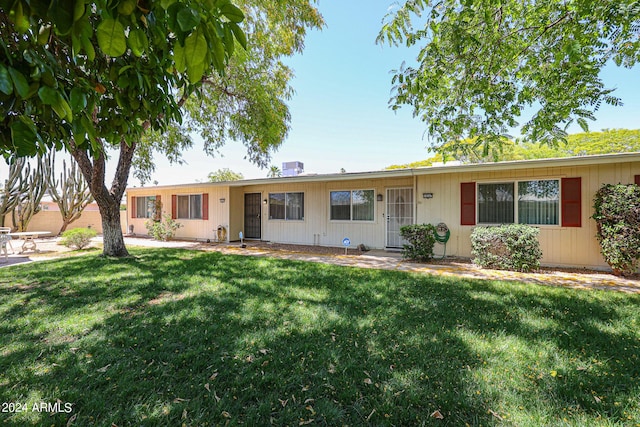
point(351, 191)
point(515, 182)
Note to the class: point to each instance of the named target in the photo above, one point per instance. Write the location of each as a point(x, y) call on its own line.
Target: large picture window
point(286, 206)
point(189, 206)
point(354, 205)
point(538, 202)
point(145, 207)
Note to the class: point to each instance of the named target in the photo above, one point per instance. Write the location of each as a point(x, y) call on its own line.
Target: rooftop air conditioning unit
point(292, 168)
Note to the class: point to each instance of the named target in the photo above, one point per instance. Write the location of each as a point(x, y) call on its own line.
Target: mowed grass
point(177, 337)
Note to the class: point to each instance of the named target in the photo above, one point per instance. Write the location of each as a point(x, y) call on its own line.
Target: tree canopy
point(580, 144)
point(483, 66)
point(102, 73)
point(224, 174)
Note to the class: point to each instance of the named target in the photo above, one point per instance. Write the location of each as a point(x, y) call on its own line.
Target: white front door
point(399, 214)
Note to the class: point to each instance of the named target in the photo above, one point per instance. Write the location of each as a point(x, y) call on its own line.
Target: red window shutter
point(467, 203)
point(571, 202)
point(637, 179)
point(132, 207)
point(158, 213)
point(174, 206)
point(205, 206)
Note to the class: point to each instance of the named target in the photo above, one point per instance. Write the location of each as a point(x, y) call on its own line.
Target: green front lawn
point(177, 337)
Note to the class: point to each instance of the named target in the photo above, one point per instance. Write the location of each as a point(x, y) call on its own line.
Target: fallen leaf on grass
point(207, 387)
point(216, 396)
point(226, 414)
point(72, 419)
point(179, 399)
point(597, 399)
point(304, 423)
point(283, 402)
point(104, 368)
point(368, 381)
point(371, 414)
point(437, 414)
point(213, 376)
point(495, 414)
point(263, 351)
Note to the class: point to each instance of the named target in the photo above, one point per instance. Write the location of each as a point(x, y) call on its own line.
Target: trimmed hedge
point(78, 238)
point(506, 247)
point(617, 214)
point(421, 239)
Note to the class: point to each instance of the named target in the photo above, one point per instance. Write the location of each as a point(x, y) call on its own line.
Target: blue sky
point(339, 112)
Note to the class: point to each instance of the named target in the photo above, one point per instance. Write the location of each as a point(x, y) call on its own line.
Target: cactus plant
point(71, 192)
point(29, 199)
point(14, 186)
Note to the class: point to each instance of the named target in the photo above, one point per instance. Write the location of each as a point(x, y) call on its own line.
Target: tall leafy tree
point(96, 77)
point(88, 76)
point(483, 64)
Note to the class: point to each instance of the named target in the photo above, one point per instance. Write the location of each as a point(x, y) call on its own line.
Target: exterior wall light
point(264, 202)
point(222, 200)
point(379, 197)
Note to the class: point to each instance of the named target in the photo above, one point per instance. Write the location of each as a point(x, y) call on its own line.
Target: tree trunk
point(108, 200)
point(65, 224)
point(112, 231)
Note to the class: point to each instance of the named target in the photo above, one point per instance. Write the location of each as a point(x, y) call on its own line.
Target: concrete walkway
point(587, 279)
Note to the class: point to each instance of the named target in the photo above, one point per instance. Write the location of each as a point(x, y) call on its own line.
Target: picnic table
point(29, 239)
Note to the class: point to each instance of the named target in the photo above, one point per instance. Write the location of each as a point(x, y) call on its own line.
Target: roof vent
point(292, 168)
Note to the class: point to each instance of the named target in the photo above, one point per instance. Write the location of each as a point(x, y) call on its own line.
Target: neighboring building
point(555, 195)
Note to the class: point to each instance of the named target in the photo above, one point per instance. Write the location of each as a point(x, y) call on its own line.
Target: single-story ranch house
point(555, 195)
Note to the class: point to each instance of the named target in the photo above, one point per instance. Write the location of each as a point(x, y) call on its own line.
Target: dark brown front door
point(252, 216)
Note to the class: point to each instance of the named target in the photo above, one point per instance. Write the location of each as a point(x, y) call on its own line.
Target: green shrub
point(617, 214)
point(506, 247)
point(420, 240)
point(162, 230)
point(78, 238)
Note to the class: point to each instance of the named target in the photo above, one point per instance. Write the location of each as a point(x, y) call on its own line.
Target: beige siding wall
point(198, 229)
point(563, 246)
point(317, 228)
point(236, 212)
point(51, 221)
